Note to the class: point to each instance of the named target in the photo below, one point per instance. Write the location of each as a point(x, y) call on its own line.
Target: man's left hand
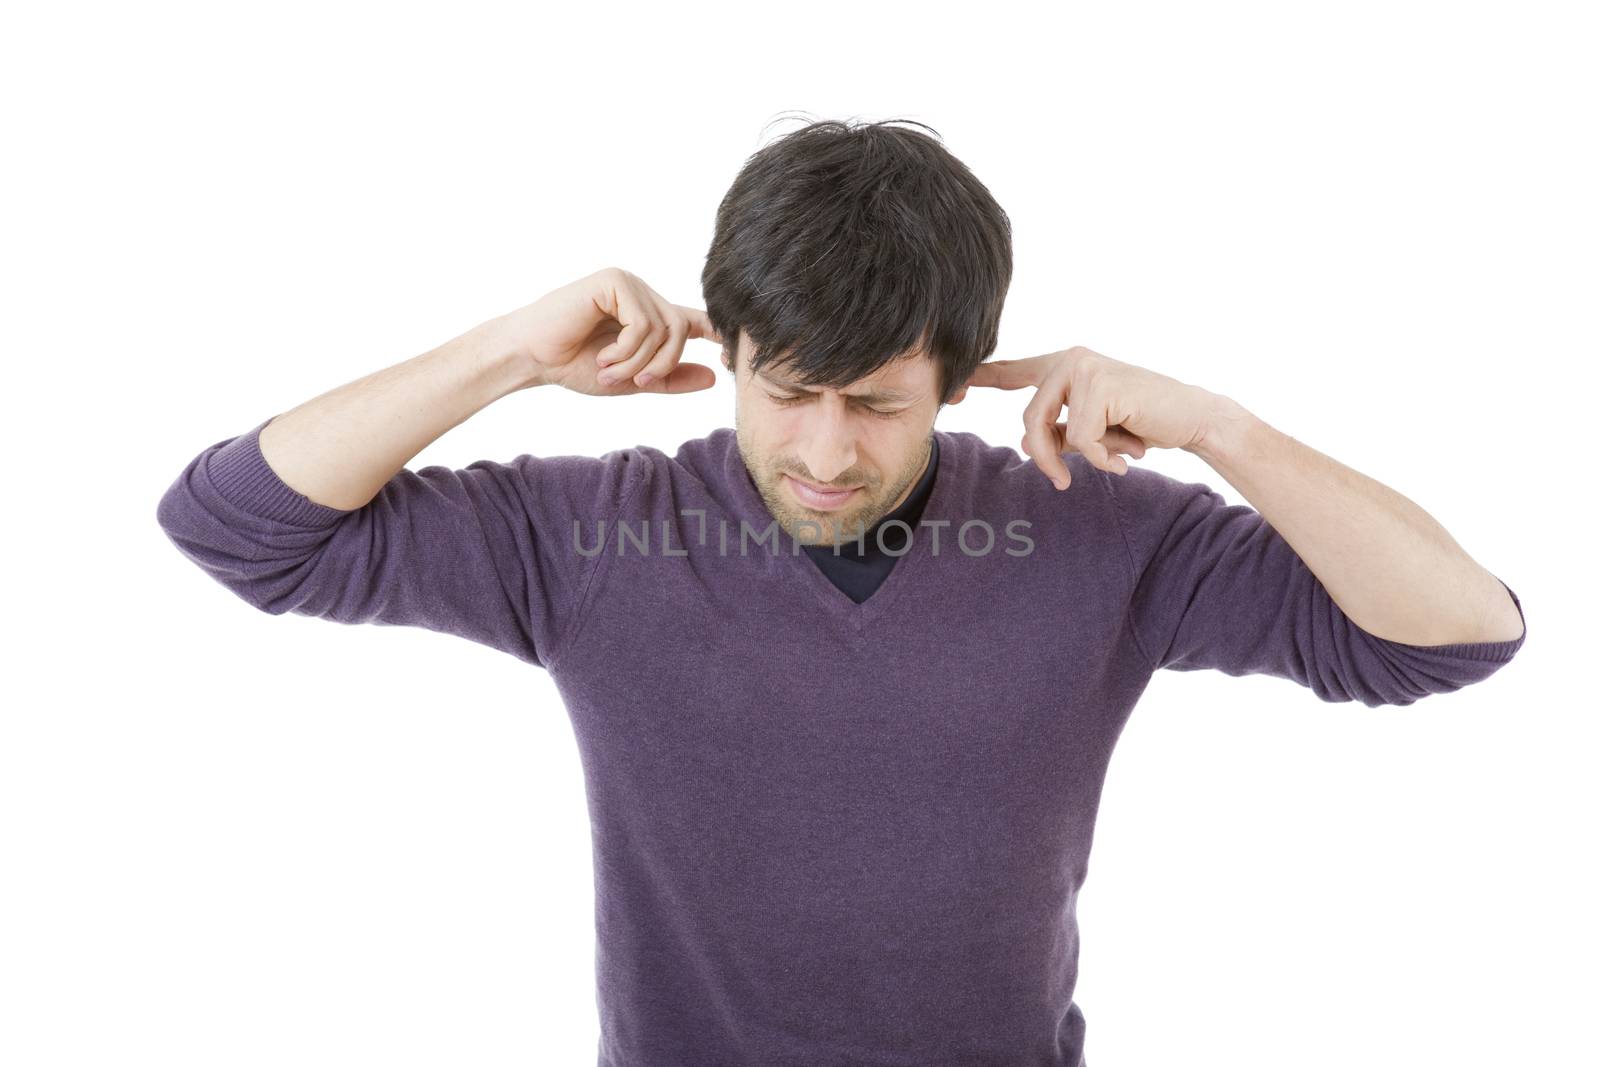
point(1112, 407)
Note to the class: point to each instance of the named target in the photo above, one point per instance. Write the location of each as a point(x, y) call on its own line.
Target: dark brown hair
point(841, 247)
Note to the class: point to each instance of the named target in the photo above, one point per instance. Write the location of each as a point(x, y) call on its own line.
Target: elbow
point(1504, 622)
point(266, 580)
point(172, 508)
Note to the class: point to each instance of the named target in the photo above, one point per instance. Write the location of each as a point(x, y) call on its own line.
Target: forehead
point(902, 378)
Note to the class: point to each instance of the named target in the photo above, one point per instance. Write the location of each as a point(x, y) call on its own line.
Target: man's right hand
point(610, 334)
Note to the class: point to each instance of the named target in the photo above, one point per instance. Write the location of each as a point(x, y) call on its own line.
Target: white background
point(233, 838)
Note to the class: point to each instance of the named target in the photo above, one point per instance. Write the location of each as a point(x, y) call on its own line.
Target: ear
point(960, 394)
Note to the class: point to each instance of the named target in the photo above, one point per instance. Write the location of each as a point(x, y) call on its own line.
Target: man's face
point(872, 438)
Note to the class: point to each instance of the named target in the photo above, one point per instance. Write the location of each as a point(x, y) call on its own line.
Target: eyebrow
point(881, 395)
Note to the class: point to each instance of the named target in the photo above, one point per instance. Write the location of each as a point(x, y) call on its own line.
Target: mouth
point(819, 499)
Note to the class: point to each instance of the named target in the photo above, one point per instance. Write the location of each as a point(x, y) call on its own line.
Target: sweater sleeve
point(488, 553)
point(1215, 586)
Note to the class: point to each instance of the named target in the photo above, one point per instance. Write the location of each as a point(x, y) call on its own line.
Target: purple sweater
point(824, 832)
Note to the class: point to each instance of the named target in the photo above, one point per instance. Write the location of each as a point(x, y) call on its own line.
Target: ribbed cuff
point(241, 475)
point(1482, 651)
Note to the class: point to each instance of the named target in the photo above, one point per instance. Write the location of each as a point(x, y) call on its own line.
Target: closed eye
point(787, 401)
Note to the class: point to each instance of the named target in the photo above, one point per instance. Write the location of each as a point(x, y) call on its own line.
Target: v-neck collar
point(801, 570)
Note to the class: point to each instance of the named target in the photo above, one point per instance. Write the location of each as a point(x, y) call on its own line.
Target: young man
point(845, 686)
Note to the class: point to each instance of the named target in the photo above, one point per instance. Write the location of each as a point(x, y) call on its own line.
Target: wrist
point(1226, 432)
point(503, 362)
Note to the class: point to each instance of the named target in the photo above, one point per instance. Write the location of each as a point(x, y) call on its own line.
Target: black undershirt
point(859, 573)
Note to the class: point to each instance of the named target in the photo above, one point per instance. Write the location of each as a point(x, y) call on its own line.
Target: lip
point(817, 499)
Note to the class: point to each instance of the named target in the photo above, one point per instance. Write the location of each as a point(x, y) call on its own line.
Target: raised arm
point(1215, 586)
point(313, 512)
point(340, 448)
point(1330, 578)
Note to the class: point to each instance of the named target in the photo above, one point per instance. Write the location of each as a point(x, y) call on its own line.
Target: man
point(845, 687)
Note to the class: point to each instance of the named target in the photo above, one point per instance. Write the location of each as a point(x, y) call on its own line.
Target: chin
point(843, 528)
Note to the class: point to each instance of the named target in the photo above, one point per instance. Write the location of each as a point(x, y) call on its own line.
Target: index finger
point(1011, 373)
point(700, 324)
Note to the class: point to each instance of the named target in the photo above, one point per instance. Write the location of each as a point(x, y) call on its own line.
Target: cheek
point(782, 430)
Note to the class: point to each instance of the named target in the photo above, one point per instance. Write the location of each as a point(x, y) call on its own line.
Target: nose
point(830, 447)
